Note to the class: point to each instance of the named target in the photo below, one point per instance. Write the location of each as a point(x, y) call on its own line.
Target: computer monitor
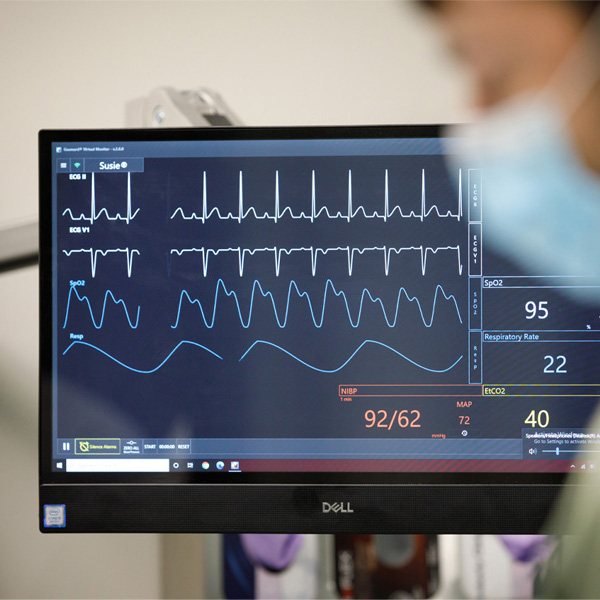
point(295, 330)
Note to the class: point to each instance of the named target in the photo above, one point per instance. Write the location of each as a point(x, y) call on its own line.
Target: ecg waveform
point(317, 317)
point(315, 212)
point(95, 215)
point(257, 344)
point(130, 253)
point(98, 323)
point(386, 252)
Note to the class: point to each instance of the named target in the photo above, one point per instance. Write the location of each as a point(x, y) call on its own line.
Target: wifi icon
point(77, 165)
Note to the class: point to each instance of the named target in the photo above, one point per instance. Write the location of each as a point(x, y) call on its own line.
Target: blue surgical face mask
point(541, 205)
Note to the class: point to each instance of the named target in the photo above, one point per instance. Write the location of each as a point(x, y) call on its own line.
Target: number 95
point(536, 309)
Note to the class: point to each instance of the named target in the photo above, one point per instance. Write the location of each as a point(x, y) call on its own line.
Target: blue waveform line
point(252, 346)
point(424, 368)
point(107, 295)
point(317, 321)
point(315, 213)
point(143, 372)
point(95, 215)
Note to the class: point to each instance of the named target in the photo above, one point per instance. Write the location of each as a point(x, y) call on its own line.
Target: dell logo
point(337, 507)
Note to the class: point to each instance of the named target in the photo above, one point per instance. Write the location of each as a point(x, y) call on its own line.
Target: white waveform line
point(349, 195)
point(316, 213)
point(315, 252)
point(459, 212)
point(94, 256)
point(241, 198)
point(422, 194)
point(94, 216)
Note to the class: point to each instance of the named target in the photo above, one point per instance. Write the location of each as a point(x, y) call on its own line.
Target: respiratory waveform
point(143, 371)
point(255, 345)
point(339, 368)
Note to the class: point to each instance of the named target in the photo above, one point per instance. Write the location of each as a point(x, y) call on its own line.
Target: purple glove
point(274, 551)
point(528, 548)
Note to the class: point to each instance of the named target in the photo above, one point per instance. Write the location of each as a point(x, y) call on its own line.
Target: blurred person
point(536, 72)
point(535, 67)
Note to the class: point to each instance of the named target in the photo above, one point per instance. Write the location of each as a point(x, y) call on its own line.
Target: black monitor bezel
point(225, 486)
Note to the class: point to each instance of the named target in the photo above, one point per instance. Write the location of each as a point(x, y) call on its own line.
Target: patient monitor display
point(295, 306)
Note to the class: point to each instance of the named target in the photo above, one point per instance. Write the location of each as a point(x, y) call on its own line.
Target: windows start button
point(91, 446)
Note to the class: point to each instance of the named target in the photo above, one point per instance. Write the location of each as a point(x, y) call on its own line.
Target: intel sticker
point(55, 515)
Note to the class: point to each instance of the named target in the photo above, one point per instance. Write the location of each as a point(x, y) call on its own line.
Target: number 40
point(541, 418)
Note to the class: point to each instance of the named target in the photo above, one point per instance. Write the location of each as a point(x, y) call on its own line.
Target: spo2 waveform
point(317, 317)
point(133, 319)
point(281, 315)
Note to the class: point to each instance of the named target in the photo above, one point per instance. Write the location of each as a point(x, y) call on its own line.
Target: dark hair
point(584, 7)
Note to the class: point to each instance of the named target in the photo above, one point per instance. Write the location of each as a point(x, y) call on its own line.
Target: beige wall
point(74, 64)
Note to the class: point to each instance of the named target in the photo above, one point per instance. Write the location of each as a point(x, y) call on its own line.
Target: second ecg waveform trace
point(315, 252)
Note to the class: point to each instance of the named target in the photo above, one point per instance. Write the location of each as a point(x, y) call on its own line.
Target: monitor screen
point(295, 329)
